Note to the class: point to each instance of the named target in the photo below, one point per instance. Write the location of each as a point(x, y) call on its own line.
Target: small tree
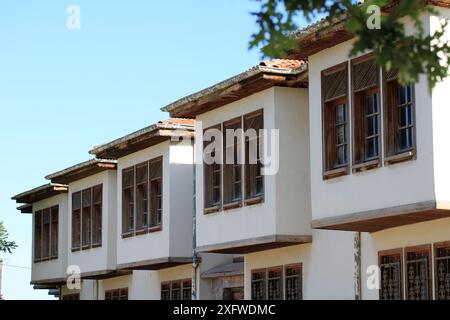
point(5, 245)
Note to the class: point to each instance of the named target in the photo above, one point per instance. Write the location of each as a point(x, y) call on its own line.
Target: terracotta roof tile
point(283, 64)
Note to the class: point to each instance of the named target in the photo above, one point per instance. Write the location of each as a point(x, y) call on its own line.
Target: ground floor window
point(442, 270)
point(390, 274)
point(176, 290)
point(117, 294)
point(72, 296)
point(277, 283)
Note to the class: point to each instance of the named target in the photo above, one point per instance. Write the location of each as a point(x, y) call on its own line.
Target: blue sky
point(63, 91)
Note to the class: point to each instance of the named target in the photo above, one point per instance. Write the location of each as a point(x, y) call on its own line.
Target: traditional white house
point(348, 198)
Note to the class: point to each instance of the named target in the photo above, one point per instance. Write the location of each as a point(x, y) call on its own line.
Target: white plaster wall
point(175, 238)
point(441, 129)
point(182, 197)
point(395, 238)
point(327, 265)
point(248, 221)
point(293, 208)
point(55, 268)
point(388, 186)
point(100, 258)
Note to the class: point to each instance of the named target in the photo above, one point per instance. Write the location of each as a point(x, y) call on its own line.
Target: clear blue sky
point(63, 91)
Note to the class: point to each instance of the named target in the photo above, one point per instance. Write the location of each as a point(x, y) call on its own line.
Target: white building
point(357, 183)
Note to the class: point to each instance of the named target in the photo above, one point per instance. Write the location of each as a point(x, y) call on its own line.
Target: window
point(335, 121)
point(142, 185)
point(97, 215)
point(117, 294)
point(366, 111)
point(37, 236)
point(87, 218)
point(258, 285)
point(141, 196)
point(399, 118)
point(46, 234)
point(269, 283)
point(212, 177)
point(156, 192)
point(187, 289)
point(176, 290)
point(54, 232)
point(73, 296)
point(254, 180)
point(442, 270)
point(128, 200)
point(293, 286)
point(417, 264)
point(275, 283)
point(232, 170)
point(76, 220)
point(390, 274)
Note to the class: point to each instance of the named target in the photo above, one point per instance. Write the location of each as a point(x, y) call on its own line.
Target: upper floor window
point(268, 284)
point(46, 234)
point(212, 173)
point(366, 111)
point(254, 180)
point(87, 218)
point(399, 117)
point(142, 197)
point(236, 170)
point(335, 120)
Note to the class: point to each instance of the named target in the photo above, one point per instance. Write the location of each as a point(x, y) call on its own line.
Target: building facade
point(347, 196)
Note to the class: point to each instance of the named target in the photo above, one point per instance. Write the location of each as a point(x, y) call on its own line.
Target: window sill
point(330, 174)
point(97, 245)
point(127, 234)
point(361, 167)
point(211, 210)
point(254, 200)
point(154, 229)
point(86, 246)
point(232, 205)
point(141, 231)
point(401, 157)
point(76, 249)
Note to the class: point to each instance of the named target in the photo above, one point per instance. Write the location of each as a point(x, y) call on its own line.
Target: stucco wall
point(55, 268)
point(395, 238)
point(327, 265)
point(104, 257)
point(388, 186)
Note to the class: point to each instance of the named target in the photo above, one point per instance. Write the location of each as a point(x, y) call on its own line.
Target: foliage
point(5, 245)
point(393, 47)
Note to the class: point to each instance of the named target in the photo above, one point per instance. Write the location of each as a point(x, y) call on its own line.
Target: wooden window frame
point(120, 293)
point(141, 212)
point(250, 196)
point(419, 249)
point(330, 170)
point(86, 240)
point(229, 170)
point(390, 253)
point(153, 225)
point(50, 241)
point(92, 242)
point(436, 247)
point(71, 296)
point(280, 278)
point(158, 213)
point(392, 152)
point(298, 266)
point(208, 188)
point(183, 285)
point(359, 118)
point(263, 282)
point(38, 239)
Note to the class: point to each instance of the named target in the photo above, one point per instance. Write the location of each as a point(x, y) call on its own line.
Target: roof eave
point(82, 170)
point(40, 193)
